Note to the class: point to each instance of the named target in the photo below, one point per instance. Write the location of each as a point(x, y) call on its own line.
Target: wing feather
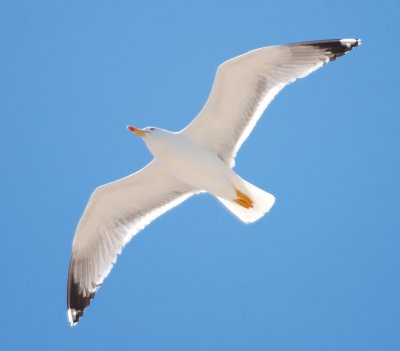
point(245, 85)
point(114, 214)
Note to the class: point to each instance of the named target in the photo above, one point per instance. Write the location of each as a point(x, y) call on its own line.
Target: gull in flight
point(197, 159)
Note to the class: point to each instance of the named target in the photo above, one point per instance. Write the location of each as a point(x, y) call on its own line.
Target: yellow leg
point(243, 200)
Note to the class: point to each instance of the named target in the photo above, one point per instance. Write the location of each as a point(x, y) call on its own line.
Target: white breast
point(193, 164)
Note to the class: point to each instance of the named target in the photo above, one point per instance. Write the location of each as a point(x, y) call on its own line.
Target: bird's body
point(197, 159)
point(189, 161)
point(193, 164)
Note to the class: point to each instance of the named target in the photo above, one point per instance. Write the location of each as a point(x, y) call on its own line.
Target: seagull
point(199, 158)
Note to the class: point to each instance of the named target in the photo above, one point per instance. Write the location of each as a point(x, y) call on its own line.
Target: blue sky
point(320, 272)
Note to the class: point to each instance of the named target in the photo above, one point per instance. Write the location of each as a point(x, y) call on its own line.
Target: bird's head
point(150, 135)
point(156, 139)
point(143, 132)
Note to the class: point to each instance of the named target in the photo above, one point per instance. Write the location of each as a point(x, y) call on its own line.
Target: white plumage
point(199, 158)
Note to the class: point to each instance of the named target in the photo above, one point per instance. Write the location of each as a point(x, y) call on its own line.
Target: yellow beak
point(136, 131)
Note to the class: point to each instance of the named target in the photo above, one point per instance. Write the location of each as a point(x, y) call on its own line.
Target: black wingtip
point(338, 47)
point(77, 300)
point(334, 48)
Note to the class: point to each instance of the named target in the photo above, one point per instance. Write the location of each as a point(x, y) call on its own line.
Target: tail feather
point(263, 202)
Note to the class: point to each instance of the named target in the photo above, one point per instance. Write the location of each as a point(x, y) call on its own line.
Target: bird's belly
point(199, 168)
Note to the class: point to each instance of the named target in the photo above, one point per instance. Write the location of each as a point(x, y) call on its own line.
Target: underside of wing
point(245, 85)
point(114, 214)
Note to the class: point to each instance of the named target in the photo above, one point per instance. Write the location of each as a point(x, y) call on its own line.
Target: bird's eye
point(152, 128)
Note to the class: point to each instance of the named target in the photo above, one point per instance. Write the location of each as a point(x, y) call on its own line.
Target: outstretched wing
point(245, 85)
point(114, 214)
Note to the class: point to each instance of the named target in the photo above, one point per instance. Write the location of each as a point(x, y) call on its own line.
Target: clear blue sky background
point(320, 272)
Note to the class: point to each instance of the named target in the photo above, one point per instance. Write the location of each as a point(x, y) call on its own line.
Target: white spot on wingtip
point(350, 42)
point(71, 313)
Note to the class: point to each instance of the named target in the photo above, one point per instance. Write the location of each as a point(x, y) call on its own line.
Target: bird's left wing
point(245, 85)
point(114, 214)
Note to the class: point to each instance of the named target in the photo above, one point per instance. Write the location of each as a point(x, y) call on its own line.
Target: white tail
point(263, 202)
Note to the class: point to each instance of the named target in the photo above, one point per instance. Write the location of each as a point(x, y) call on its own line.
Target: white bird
point(198, 158)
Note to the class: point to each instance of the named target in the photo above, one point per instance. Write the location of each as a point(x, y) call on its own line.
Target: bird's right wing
point(113, 215)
